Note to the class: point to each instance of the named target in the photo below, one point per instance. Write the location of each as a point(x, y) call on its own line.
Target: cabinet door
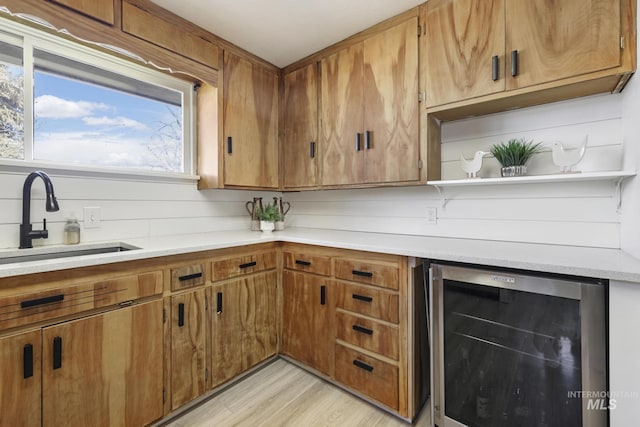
point(462, 37)
point(105, 369)
point(307, 320)
point(250, 118)
point(342, 117)
point(391, 106)
point(20, 379)
point(301, 127)
point(555, 41)
point(101, 10)
point(188, 336)
point(226, 331)
point(244, 329)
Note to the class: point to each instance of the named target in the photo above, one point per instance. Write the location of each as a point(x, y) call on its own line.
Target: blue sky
point(82, 123)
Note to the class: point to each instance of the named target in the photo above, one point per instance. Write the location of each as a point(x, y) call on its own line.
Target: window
point(89, 109)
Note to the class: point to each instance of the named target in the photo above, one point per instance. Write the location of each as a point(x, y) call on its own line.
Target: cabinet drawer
point(370, 376)
point(317, 264)
point(368, 301)
point(247, 264)
point(187, 276)
point(371, 273)
point(367, 334)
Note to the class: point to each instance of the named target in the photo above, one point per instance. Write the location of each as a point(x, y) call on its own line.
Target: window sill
point(7, 165)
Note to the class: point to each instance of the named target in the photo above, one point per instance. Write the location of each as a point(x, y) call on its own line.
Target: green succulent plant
point(269, 213)
point(516, 152)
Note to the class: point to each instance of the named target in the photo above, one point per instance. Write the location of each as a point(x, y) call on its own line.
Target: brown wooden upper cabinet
point(300, 144)
point(369, 128)
point(250, 124)
point(102, 10)
point(482, 47)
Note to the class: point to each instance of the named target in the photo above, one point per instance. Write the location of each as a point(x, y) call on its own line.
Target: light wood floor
point(282, 394)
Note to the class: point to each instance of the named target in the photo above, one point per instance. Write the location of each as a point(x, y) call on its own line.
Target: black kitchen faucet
point(26, 232)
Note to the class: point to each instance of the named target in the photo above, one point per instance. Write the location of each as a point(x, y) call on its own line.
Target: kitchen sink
point(40, 254)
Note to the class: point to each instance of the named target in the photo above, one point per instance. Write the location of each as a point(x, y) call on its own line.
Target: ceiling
point(284, 31)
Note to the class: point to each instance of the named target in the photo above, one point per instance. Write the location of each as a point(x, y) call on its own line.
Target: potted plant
point(514, 155)
point(268, 215)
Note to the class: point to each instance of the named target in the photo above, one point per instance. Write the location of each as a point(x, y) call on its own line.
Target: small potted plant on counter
point(268, 215)
point(514, 155)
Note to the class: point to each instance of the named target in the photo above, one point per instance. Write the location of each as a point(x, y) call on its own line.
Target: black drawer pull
point(248, 264)
point(323, 295)
point(358, 141)
point(362, 273)
point(301, 262)
point(57, 353)
point(367, 139)
point(363, 365)
point(229, 145)
point(27, 361)
point(495, 68)
point(312, 149)
point(514, 63)
point(361, 298)
point(219, 303)
point(181, 315)
point(190, 277)
point(41, 301)
point(362, 329)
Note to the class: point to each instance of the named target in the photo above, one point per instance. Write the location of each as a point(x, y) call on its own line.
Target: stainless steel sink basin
point(39, 254)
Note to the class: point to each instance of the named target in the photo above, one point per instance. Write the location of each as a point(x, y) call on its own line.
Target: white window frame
point(31, 38)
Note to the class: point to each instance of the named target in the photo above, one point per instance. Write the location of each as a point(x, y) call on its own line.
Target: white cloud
point(52, 107)
point(114, 121)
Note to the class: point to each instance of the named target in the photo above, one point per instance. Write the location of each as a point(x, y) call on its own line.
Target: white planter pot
point(267, 226)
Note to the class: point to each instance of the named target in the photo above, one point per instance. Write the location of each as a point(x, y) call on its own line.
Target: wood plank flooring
point(282, 394)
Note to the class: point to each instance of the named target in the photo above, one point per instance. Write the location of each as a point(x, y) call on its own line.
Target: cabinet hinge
point(164, 395)
point(164, 315)
point(419, 29)
point(206, 304)
point(421, 96)
point(622, 42)
point(206, 374)
point(419, 164)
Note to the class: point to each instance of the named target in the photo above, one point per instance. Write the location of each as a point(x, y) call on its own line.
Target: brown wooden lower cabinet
point(104, 370)
point(188, 335)
point(307, 319)
point(243, 327)
point(21, 379)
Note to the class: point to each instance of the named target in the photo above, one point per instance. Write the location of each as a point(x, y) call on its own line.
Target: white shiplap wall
point(130, 207)
point(582, 214)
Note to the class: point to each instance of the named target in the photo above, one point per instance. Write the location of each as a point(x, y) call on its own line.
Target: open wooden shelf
point(536, 179)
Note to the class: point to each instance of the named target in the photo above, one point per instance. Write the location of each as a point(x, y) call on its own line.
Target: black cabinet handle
point(363, 365)
point(362, 329)
point(312, 149)
point(27, 360)
point(219, 303)
point(361, 298)
point(514, 63)
point(181, 315)
point(301, 262)
point(358, 141)
point(189, 277)
point(495, 68)
point(57, 353)
point(229, 145)
point(362, 273)
point(368, 139)
point(248, 264)
point(41, 301)
point(323, 295)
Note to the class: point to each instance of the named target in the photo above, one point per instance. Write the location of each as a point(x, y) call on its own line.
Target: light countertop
point(579, 261)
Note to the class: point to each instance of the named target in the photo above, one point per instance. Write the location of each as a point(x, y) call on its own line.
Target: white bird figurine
point(471, 167)
point(567, 158)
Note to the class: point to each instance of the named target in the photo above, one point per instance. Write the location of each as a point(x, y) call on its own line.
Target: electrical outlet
point(92, 217)
point(432, 216)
